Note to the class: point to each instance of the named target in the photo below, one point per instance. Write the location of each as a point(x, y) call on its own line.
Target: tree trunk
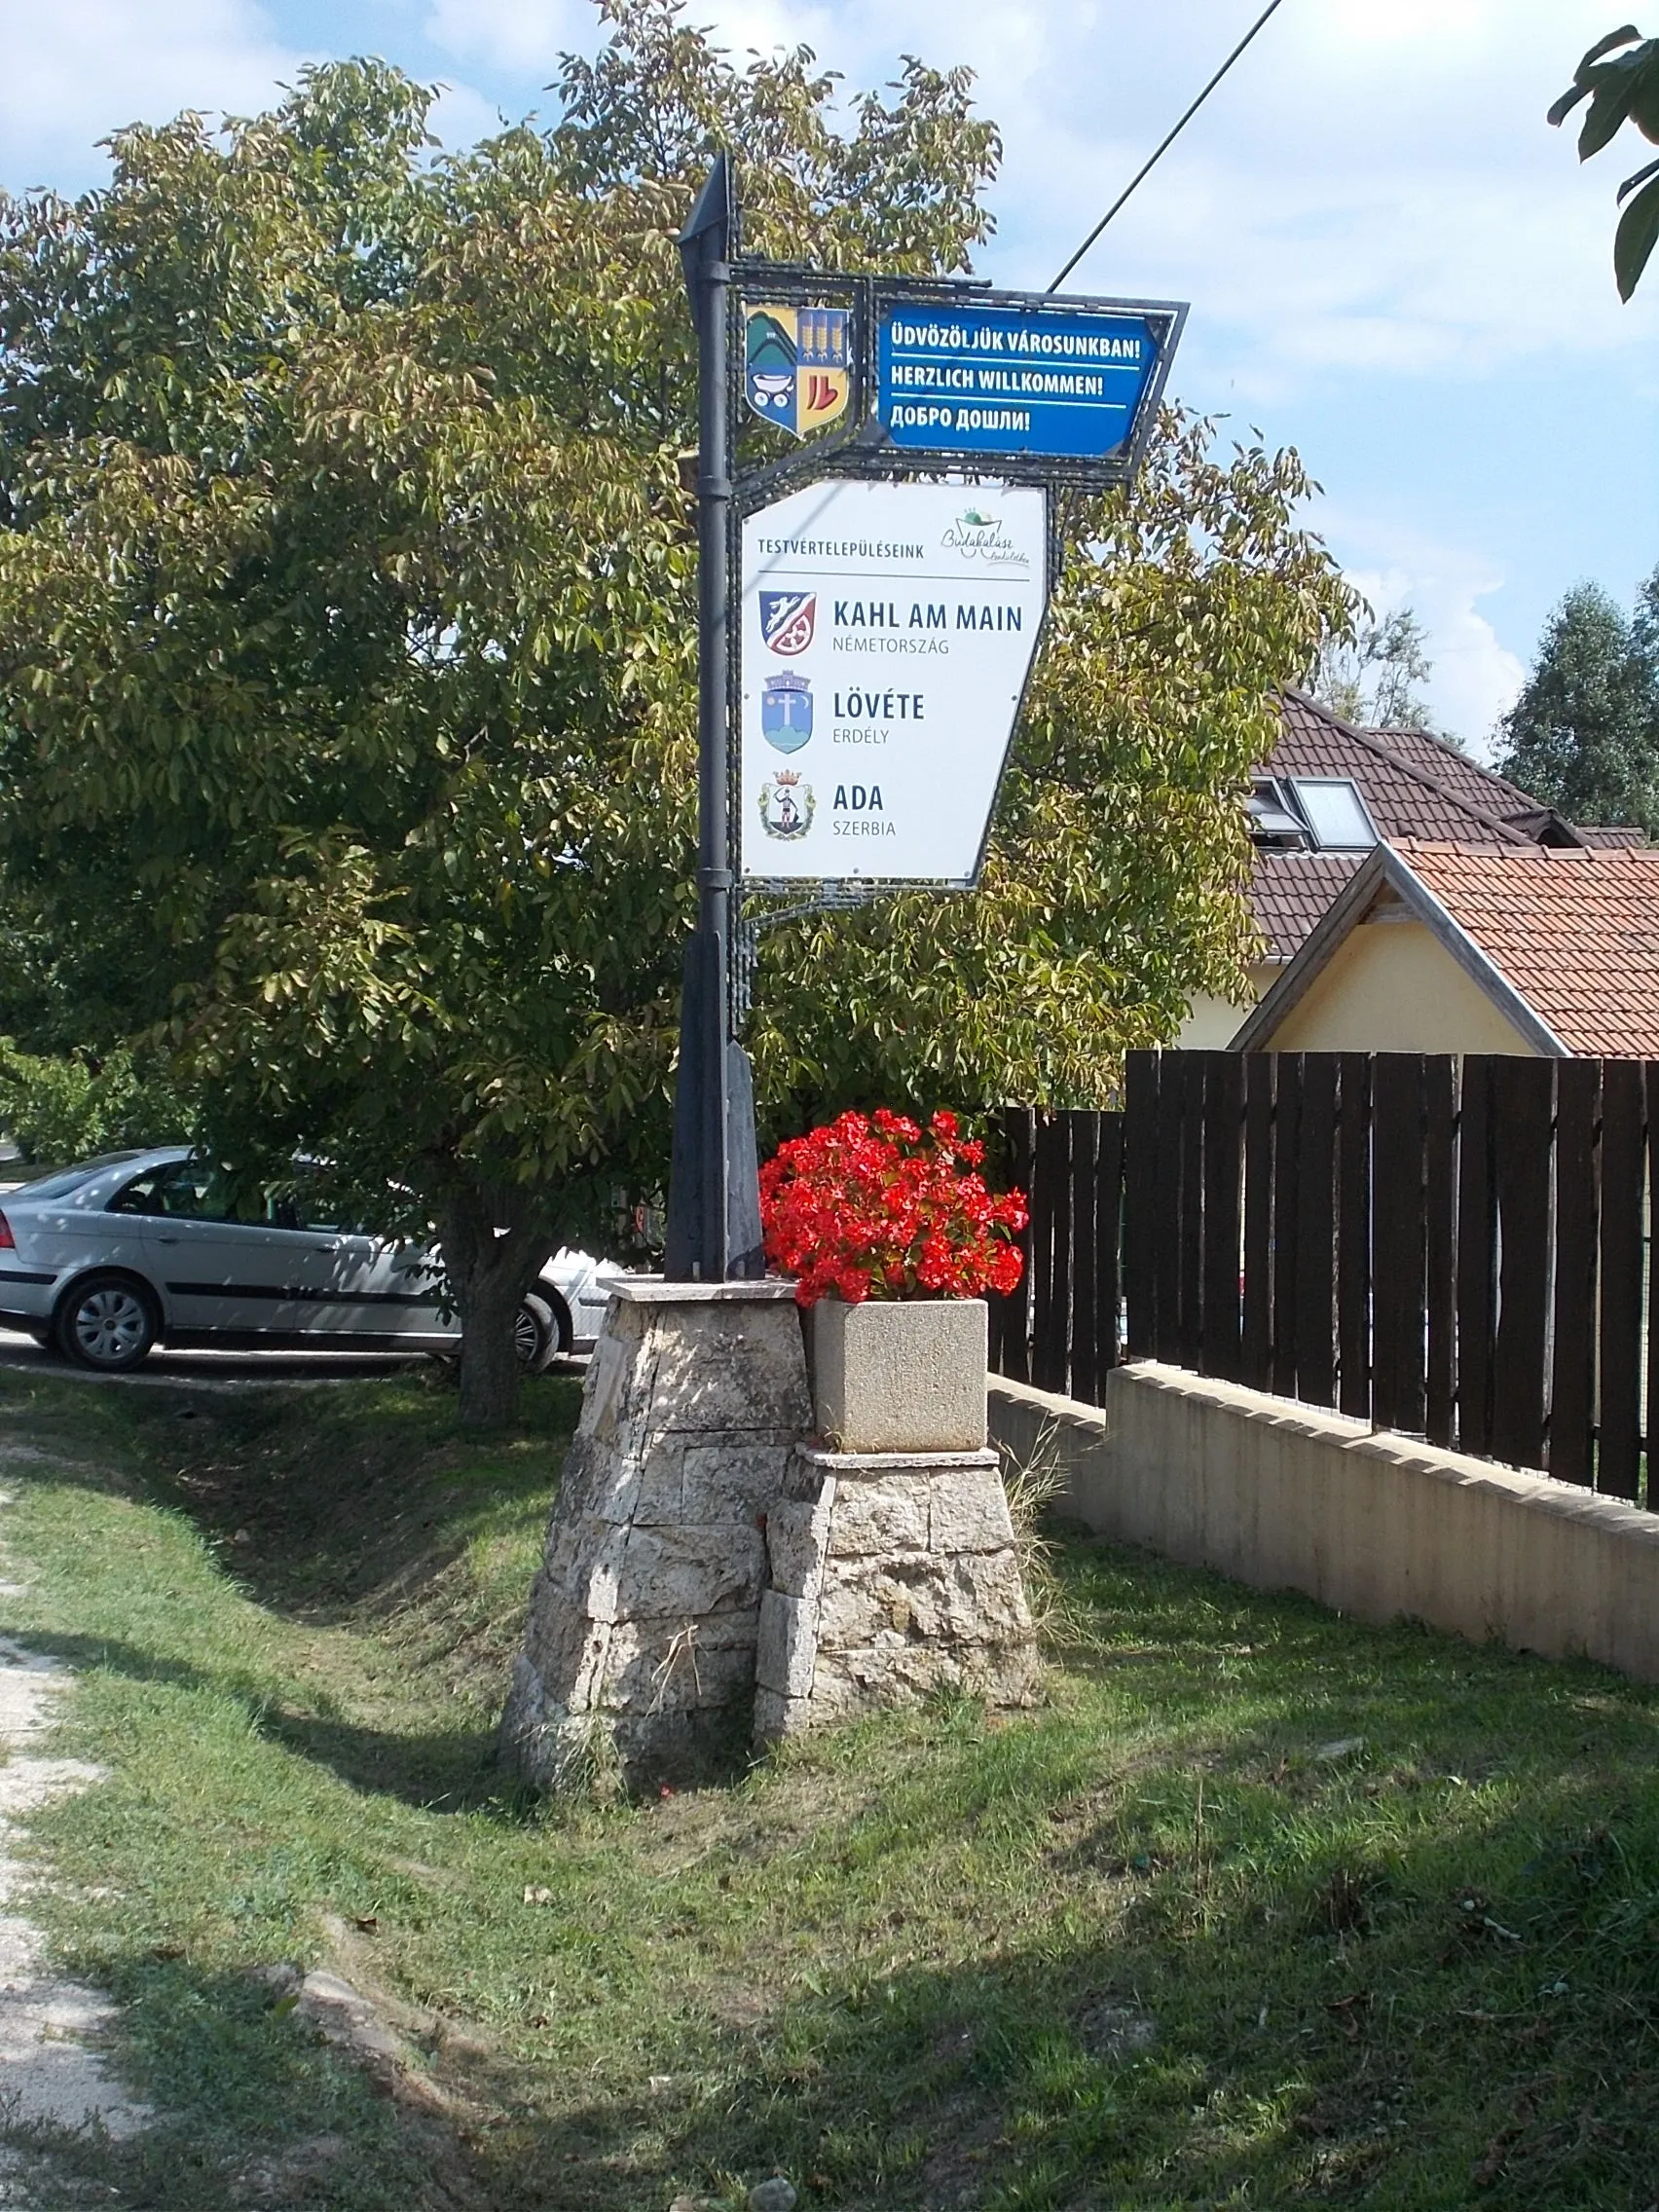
point(495, 1242)
point(488, 1356)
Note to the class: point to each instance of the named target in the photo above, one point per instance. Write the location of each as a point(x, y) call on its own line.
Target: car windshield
point(58, 1182)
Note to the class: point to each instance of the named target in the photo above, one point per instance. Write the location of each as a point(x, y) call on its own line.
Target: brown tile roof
point(1290, 890)
point(1611, 833)
point(1465, 779)
point(1576, 932)
point(1412, 786)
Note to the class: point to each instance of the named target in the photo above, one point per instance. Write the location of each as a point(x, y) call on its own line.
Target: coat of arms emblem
point(798, 366)
point(785, 712)
point(788, 620)
point(787, 806)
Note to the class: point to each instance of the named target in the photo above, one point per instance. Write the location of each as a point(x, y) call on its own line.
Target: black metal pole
point(712, 1213)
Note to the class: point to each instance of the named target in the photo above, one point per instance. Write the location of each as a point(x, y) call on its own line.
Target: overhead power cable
point(1147, 167)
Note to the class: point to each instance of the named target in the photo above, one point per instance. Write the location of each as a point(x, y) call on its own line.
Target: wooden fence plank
point(1650, 1491)
point(1083, 1149)
point(1440, 1196)
point(1223, 1130)
point(1192, 1293)
point(1521, 1109)
point(1476, 1245)
point(1287, 1178)
point(1316, 1235)
point(1109, 1233)
point(1572, 1364)
point(1256, 1351)
point(1618, 1455)
point(1011, 1314)
point(1398, 1390)
point(1167, 1219)
point(1141, 1156)
point(1052, 1226)
point(1353, 1236)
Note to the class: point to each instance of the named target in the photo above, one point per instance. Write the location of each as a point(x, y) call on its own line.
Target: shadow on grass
point(321, 1500)
point(1391, 2049)
point(251, 2108)
point(453, 1770)
point(1187, 2055)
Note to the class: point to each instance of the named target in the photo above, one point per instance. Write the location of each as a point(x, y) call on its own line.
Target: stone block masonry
point(639, 1649)
point(890, 1576)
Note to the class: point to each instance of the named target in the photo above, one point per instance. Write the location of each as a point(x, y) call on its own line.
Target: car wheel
point(535, 1334)
point(107, 1322)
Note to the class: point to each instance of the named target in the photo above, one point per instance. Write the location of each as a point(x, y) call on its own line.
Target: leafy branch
point(1621, 89)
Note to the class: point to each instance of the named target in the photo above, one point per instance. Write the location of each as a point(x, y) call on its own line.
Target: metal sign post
point(714, 1211)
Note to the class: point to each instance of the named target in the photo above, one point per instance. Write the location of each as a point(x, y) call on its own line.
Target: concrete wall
point(1390, 986)
point(1284, 1497)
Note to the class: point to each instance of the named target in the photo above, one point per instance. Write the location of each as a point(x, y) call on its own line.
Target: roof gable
point(1565, 941)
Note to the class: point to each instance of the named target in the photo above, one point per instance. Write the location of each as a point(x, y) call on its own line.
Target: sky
point(1393, 263)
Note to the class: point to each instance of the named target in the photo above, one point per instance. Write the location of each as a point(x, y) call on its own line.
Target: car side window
point(183, 1190)
point(308, 1203)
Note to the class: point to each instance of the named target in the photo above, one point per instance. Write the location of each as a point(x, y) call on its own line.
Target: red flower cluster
point(872, 1207)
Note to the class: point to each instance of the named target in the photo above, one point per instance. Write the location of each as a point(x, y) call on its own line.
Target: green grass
point(1157, 1946)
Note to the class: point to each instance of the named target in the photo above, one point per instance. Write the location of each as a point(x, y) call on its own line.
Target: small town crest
point(798, 366)
point(787, 806)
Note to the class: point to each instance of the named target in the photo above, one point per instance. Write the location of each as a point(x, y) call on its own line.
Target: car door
point(350, 1282)
point(220, 1263)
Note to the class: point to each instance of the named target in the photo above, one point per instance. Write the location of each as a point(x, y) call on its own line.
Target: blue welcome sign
point(1023, 377)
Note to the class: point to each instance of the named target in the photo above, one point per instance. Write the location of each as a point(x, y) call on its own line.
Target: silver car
point(138, 1248)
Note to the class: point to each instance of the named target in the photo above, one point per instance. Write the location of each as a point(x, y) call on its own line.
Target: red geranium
point(874, 1206)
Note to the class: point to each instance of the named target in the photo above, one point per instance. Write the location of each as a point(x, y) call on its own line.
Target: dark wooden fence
point(1454, 1248)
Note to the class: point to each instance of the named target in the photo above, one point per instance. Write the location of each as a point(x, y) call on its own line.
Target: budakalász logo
point(787, 806)
point(788, 620)
point(982, 537)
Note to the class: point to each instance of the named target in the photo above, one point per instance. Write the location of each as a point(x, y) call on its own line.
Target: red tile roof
point(1414, 786)
point(1576, 932)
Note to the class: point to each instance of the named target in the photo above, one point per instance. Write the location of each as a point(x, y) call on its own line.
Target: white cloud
point(517, 35)
point(1476, 678)
point(76, 70)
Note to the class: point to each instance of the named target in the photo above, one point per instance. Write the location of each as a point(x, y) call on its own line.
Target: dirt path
point(49, 2065)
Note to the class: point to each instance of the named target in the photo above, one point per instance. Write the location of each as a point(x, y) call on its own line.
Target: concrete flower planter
point(908, 1375)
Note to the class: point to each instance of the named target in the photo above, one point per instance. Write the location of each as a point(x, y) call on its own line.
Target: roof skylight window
point(1336, 813)
point(1272, 822)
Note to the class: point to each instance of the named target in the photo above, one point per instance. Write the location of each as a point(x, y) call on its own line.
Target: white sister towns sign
point(887, 631)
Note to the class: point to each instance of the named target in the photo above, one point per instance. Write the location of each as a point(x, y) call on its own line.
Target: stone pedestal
point(891, 1576)
point(639, 1655)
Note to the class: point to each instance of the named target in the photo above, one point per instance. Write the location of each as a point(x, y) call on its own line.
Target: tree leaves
point(1638, 228)
point(1584, 734)
point(347, 641)
point(1620, 91)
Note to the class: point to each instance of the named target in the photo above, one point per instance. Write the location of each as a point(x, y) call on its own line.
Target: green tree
point(1371, 679)
point(1623, 88)
point(346, 635)
point(1584, 733)
point(62, 1106)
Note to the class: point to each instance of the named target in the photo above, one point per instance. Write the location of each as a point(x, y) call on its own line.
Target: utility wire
point(1148, 166)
